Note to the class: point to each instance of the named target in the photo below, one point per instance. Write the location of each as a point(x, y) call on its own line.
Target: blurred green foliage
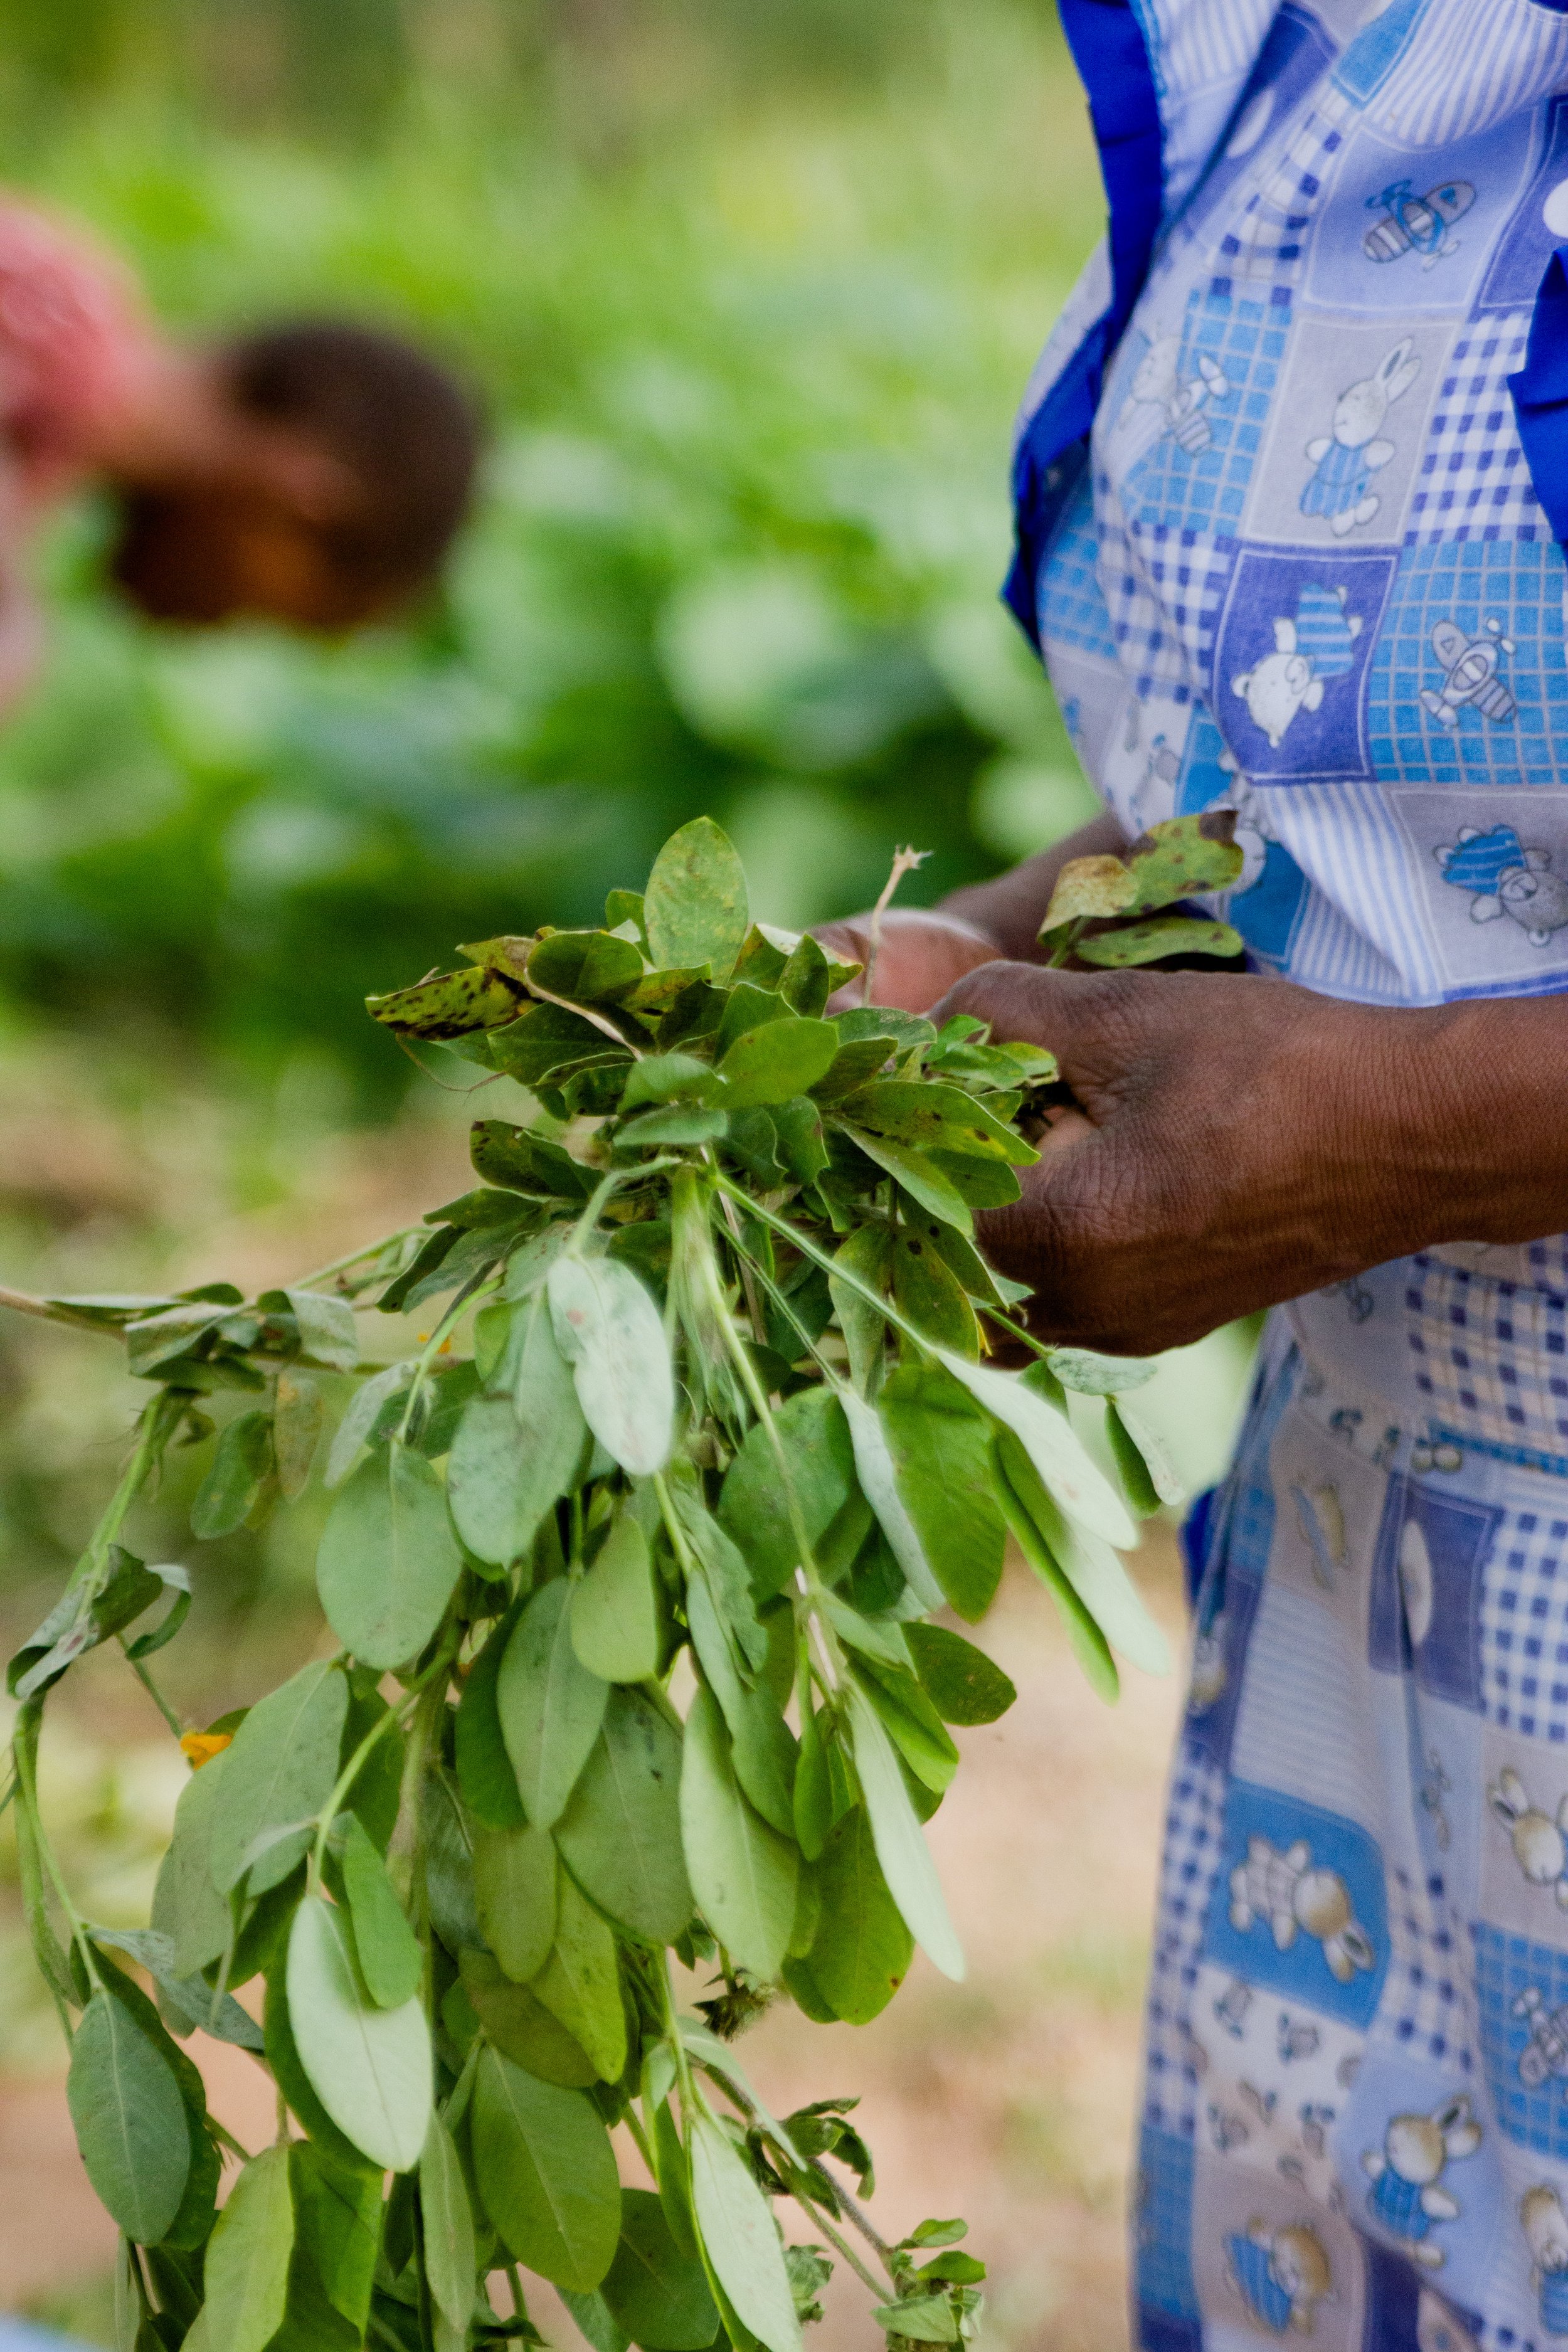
point(749, 294)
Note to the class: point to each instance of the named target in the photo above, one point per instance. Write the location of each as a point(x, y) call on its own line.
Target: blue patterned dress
point(1291, 480)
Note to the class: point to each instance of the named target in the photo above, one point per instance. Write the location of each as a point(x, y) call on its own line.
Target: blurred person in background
point(1291, 480)
point(311, 472)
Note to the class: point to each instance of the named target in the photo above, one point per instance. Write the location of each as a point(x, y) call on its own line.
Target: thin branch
point(50, 1311)
point(904, 862)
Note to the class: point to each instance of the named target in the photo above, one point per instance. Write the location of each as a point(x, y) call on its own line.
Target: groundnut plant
point(637, 1574)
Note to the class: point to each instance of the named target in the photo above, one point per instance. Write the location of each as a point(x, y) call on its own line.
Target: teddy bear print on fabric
point(1545, 2228)
point(1317, 646)
point(1421, 224)
point(1539, 1842)
point(1406, 2195)
point(1346, 460)
point(1283, 1890)
point(1282, 2275)
point(1504, 877)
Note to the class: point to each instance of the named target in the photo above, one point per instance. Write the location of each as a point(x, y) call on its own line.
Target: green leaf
point(551, 1707)
point(1183, 857)
point(879, 1483)
point(937, 1188)
point(546, 1042)
point(294, 2085)
point(484, 1769)
point(246, 2270)
point(901, 1848)
point(1088, 1643)
point(942, 1453)
point(811, 1807)
point(280, 1769)
point(591, 2314)
point(388, 1559)
point(188, 2001)
point(861, 1951)
point(446, 2230)
point(371, 2068)
point(130, 2120)
point(581, 1983)
point(615, 1611)
point(695, 904)
point(296, 1432)
point(784, 1058)
point(186, 1905)
point(608, 1329)
point(1088, 890)
point(517, 2024)
point(589, 966)
point(514, 1890)
point(241, 1466)
point(1078, 1488)
point(1134, 944)
point(964, 1685)
point(512, 1460)
point(928, 1294)
point(1131, 1437)
point(328, 1333)
point(666, 1077)
point(764, 1750)
point(620, 1833)
point(867, 1256)
point(448, 1858)
point(754, 1507)
point(360, 1417)
point(1091, 1567)
point(1088, 1374)
point(911, 1721)
point(655, 2293)
point(477, 998)
point(920, 2319)
point(549, 2174)
point(917, 1112)
point(337, 2233)
point(678, 1123)
point(385, 1946)
point(743, 1873)
point(740, 2237)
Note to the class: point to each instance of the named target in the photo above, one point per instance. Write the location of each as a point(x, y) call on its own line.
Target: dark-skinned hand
point(1238, 1141)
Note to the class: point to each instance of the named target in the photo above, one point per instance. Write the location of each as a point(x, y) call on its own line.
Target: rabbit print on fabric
point(1347, 461)
point(1302, 568)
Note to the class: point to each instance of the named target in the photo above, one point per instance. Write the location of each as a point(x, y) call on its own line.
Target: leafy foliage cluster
point(632, 1572)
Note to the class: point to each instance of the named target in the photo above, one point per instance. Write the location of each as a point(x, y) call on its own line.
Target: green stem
point(688, 2100)
point(819, 2221)
point(28, 1798)
point(356, 1257)
point(138, 1668)
point(433, 1346)
point(606, 1187)
point(643, 2145)
point(884, 1307)
point(394, 1714)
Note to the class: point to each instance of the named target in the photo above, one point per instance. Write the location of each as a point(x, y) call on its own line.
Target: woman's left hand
point(1239, 1141)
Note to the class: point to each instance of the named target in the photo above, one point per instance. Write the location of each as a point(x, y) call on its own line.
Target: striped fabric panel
point(1515, 52)
point(1364, 932)
point(1201, 52)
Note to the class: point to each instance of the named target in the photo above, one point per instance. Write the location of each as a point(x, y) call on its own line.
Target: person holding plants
point(1292, 481)
point(311, 472)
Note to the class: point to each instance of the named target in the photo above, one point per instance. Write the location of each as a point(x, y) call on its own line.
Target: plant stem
point(47, 1311)
point(819, 2221)
point(354, 1257)
point(138, 1668)
point(904, 862)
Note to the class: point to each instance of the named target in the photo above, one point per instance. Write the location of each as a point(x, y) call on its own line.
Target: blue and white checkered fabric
point(1307, 575)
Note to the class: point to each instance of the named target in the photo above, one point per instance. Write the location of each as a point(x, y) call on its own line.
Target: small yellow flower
point(201, 1747)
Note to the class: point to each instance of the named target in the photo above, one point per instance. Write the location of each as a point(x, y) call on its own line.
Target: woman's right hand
point(922, 952)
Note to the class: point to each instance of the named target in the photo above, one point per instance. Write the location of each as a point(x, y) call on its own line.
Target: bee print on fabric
point(1406, 2196)
point(1347, 460)
point(1282, 2275)
point(1545, 2227)
point(1505, 877)
point(1470, 667)
point(1317, 646)
point(1419, 225)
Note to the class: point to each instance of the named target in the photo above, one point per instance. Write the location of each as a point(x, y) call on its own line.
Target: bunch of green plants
point(632, 1572)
